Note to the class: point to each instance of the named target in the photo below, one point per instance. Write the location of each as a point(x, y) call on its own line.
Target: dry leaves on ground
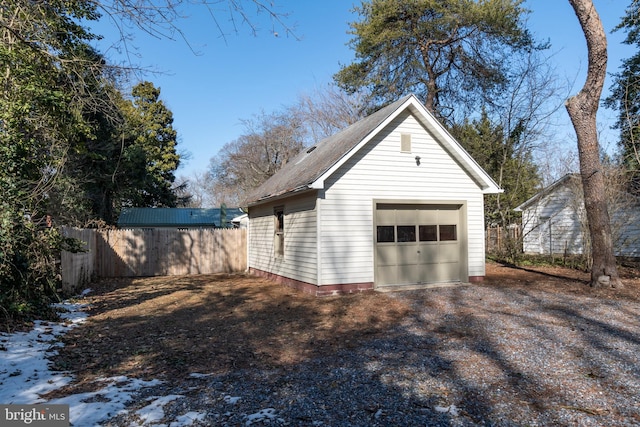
point(169, 327)
point(166, 327)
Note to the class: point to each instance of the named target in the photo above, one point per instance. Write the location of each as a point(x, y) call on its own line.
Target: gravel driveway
point(533, 350)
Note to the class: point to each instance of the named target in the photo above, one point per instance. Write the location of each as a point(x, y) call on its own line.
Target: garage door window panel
point(448, 233)
point(428, 233)
point(386, 234)
point(406, 233)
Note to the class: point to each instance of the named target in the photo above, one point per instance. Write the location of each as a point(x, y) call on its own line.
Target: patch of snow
point(92, 408)
point(452, 409)
point(26, 375)
point(199, 375)
point(154, 412)
point(187, 419)
point(232, 400)
point(24, 364)
point(71, 312)
point(268, 414)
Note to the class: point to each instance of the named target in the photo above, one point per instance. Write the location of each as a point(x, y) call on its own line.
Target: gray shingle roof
point(312, 163)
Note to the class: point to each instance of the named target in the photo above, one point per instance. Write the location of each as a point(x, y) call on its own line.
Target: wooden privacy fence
point(153, 252)
point(78, 268)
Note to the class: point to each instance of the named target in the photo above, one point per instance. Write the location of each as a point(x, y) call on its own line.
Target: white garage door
point(417, 244)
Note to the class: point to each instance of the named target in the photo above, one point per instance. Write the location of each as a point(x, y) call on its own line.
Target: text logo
point(34, 415)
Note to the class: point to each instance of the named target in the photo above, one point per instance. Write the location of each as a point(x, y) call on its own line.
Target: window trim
point(405, 143)
point(278, 231)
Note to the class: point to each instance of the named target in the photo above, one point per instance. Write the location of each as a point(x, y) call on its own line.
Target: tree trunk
point(582, 110)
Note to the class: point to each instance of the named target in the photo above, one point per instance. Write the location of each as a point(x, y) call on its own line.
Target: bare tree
point(271, 140)
point(162, 19)
point(531, 97)
point(582, 109)
point(328, 110)
point(194, 191)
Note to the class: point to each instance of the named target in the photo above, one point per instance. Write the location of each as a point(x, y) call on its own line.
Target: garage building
point(391, 201)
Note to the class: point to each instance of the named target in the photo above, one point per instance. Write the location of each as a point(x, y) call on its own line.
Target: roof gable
point(314, 165)
point(571, 177)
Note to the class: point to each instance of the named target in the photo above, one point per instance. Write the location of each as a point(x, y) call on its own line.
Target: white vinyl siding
point(553, 225)
point(381, 171)
point(556, 225)
point(626, 230)
point(300, 245)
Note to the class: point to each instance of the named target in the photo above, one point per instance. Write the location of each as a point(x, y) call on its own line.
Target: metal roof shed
point(177, 217)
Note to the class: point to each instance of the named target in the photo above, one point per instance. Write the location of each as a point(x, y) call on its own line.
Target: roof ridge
point(307, 166)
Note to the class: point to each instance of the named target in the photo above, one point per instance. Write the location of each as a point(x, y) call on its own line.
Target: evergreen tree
point(149, 155)
point(66, 143)
point(625, 97)
point(506, 160)
point(40, 122)
point(95, 171)
point(130, 159)
point(453, 54)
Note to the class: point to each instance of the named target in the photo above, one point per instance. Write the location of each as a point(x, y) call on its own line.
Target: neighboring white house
point(240, 221)
point(554, 221)
point(391, 200)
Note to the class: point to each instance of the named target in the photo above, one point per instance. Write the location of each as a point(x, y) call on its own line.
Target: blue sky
point(233, 78)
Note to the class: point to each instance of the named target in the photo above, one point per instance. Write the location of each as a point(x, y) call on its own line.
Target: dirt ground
point(168, 327)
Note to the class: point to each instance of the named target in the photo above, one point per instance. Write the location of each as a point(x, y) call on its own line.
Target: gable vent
point(405, 142)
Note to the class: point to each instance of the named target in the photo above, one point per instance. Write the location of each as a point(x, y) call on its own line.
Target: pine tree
point(625, 97)
point(452, 54)
point(505, 159)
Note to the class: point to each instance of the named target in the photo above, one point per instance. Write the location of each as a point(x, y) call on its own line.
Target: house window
point(278, 237)
point(405, 142)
